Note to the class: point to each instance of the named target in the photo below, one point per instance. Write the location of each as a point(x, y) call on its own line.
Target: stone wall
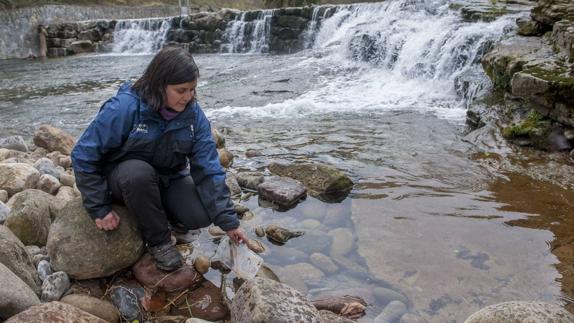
point(537, 66)
point(199, 33)
point(19, 27)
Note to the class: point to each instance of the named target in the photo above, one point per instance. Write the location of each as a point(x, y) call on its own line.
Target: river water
point(375, 95)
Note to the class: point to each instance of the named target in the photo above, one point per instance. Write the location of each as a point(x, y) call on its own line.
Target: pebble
point(216, 231)
point(44, 269)
point(324, 263)
point(260, 231)
point(67, 179)
point(3, 196)
point(392, 312)
point(54, 286)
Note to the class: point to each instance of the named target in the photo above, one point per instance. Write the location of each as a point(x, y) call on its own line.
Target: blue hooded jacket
point(126, 128)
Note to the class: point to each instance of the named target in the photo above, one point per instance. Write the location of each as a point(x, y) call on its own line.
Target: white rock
point(17, 177)
point(49, 184)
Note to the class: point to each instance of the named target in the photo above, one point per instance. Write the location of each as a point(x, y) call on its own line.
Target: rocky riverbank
point(534, 72)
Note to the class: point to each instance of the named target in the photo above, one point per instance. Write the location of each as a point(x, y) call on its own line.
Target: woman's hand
point(237, 235)
point(109, 222)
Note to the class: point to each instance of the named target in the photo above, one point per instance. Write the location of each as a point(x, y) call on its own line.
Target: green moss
point(455, 6)
point(531, 126)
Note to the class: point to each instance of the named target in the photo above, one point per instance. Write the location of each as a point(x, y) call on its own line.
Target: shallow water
point(426, 219)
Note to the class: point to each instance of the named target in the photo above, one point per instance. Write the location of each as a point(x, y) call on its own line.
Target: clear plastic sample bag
point(242, 261)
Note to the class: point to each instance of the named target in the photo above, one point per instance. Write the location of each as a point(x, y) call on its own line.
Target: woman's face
point(179, 95)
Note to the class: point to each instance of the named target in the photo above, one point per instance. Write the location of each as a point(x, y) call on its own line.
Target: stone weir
point(277, 31)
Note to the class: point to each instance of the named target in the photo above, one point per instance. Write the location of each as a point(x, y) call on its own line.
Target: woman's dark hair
point(172, 65)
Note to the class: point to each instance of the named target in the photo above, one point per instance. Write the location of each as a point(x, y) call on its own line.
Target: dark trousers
point(155, 199)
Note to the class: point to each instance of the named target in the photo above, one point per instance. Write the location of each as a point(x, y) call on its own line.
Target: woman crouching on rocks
point(141, 149)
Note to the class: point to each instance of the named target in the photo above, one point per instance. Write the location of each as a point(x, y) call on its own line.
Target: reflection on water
point(551, 209)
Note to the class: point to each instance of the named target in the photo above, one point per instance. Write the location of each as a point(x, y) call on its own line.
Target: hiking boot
point(166, 256)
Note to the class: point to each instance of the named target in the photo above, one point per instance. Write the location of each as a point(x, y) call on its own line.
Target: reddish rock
point(54, 312)
point(148, 275)
point(205, 302)
point(54, 139)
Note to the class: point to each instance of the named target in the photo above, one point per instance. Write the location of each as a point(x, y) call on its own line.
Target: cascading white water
point(248, 36)
point(140, 36)
point(395, 55)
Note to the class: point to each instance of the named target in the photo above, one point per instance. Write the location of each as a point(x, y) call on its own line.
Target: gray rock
point(282, 191)
point(44, 269)
point(3, 196)
point(46, 166)
point(343, 241)
point(14, 256)
point(521, 311)
point(4, 211)
point(54, 312)
point(95, 306)
point(29, 218)
point(14, 143)
point(15, 295)
point(76, 246)
point(54, 286)
point(392, 312)
point(324, 182)
point(16, 177)
point(265, 300)
point(324, 263)
point(548, 12)
point(250, 180)
point(48, 184)
point(196, 320)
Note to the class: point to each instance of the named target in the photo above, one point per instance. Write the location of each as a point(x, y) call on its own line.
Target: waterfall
point(140, 36)
point(393, 55)
point(245, 35)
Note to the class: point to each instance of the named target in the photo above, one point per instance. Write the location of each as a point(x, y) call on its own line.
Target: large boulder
point(323, 181)
point(54, 139)
point(95, 306)
point(77, 247)
point(521, 311)
point(13, 255)
point(265, 300)
point(29, 217)
point(54, 312)
point(16, 177)
point(15, 295)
